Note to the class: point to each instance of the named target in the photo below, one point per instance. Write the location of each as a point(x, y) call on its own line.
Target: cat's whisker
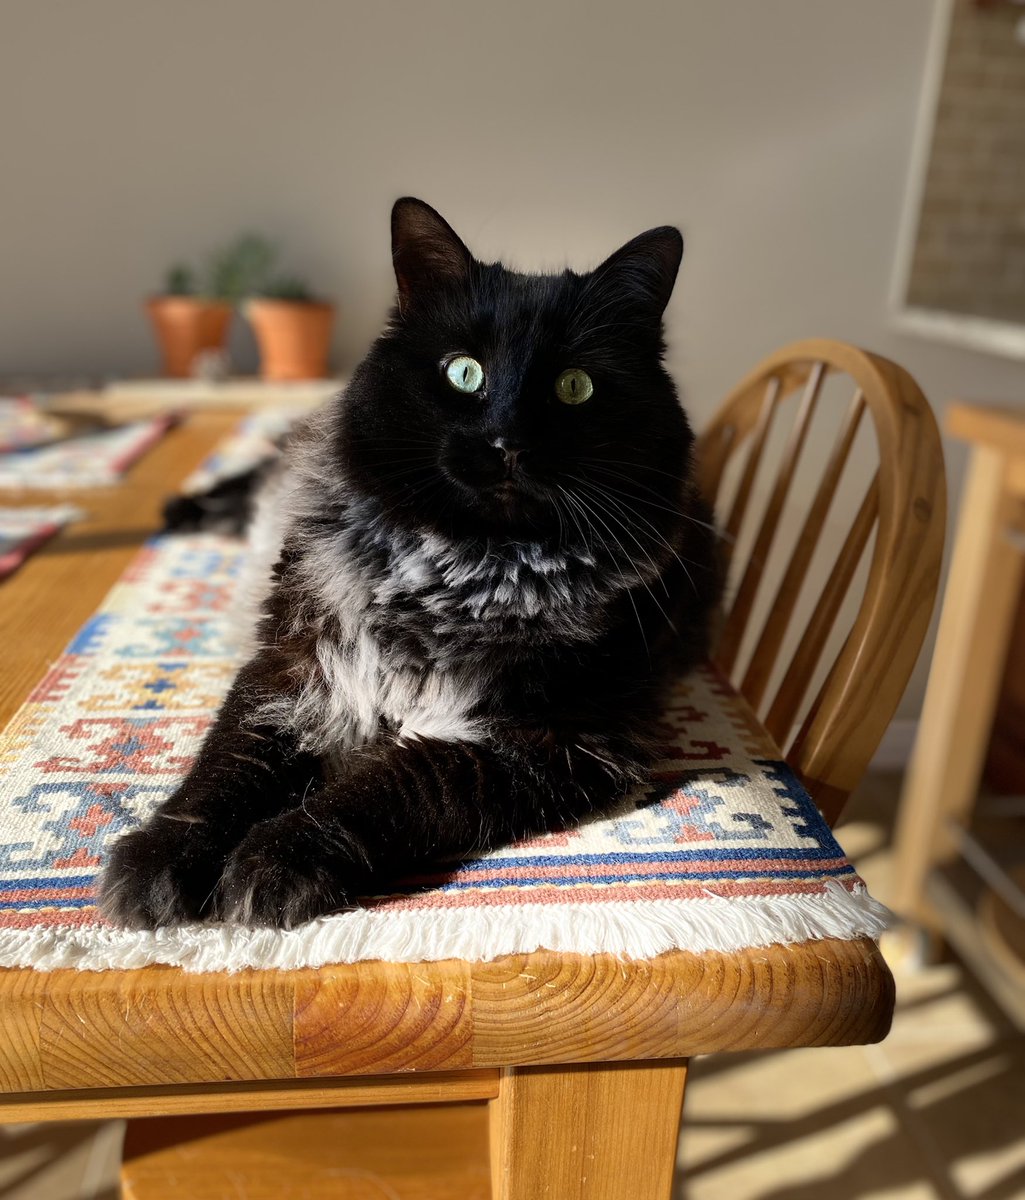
point(676, 512)
point(629, 592)
point(598, 465)
point(606, 489)
point(627, 510)
point(655, 571)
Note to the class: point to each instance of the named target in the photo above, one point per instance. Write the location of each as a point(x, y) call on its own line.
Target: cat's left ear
point(644, 270)
point(425, 249)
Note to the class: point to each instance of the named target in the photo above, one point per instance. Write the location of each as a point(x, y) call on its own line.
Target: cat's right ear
point(426, 250)
point(644, 270)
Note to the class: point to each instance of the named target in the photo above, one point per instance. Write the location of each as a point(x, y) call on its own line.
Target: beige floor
point(936, 1111)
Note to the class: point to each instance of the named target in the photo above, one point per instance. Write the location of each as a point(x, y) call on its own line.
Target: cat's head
point(534, 406)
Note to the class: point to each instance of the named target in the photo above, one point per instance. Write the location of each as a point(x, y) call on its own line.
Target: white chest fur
point(359, 686)
point(357, 682)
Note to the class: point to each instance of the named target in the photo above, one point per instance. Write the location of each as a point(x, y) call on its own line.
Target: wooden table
point(156, 1041)
point(979, 606)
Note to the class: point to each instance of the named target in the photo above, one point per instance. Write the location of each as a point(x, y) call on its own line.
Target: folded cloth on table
point(23, 530)
point(93, 460)
point(256, 441)
point(23, 424)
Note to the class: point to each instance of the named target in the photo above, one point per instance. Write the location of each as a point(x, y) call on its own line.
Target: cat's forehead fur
point(497, 307)
point(612, 313)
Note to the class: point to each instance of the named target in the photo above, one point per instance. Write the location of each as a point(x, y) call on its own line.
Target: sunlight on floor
point(936, 1110)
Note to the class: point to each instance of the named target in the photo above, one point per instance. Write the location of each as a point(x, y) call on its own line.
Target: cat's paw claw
point(270, 881)
point(151, 880)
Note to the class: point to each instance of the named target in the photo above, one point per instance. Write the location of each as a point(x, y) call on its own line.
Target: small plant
point(181, 281)
point(236, 271)
point(287, 287)
point(240, 269)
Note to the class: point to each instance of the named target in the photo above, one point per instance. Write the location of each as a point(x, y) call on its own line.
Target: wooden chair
point(564, 1072)
point(903, 504)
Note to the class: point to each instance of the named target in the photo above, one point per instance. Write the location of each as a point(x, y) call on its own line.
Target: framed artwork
point(960, 269)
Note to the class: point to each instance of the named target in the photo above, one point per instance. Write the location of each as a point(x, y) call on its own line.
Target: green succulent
point(180, 281)
point(237, 271)
point(287, 287)
point(240, 269)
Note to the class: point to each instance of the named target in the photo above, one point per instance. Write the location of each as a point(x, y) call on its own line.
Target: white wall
point(134, 132)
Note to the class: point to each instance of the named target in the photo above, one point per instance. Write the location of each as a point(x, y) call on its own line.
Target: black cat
point(482, 565)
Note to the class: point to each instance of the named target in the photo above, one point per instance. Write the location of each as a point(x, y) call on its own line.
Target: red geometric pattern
point(112, 726)
point(102, 745)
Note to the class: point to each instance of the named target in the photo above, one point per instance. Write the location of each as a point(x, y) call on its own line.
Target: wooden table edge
point(157, 1026)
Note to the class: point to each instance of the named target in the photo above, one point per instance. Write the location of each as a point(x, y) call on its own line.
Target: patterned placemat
point(23, 424)
point(94, 460)
point(24, 530)
point(255, 441)
point(733, 854)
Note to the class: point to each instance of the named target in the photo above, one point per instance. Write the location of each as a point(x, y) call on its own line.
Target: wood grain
point(157, 1025)
point(22, 1000)
point(597, 1132)
point(395, 1017)
point(624, 1009)
point(433, 1153)
point(252, 1096)
point(175, 1028)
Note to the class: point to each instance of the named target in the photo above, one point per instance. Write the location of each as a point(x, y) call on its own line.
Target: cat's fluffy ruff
point(459, 644)
point(405, 626)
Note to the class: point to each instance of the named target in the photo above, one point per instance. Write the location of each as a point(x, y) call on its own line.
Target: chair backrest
point(829, 737)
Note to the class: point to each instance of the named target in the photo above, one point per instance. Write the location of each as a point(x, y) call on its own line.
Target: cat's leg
point(396, 804)
point(223, 508)
point(167, 871)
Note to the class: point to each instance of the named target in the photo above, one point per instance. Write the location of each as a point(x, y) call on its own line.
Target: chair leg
point(597, 1131)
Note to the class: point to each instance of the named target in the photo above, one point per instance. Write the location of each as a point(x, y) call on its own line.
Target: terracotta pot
point(186, 326)
point(294, 337)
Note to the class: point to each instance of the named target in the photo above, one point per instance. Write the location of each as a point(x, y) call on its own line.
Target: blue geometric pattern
point(113, 727)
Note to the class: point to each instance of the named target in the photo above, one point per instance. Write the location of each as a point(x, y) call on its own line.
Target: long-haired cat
point(484, 563)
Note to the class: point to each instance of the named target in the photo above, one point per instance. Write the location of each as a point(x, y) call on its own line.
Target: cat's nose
point(512, 455)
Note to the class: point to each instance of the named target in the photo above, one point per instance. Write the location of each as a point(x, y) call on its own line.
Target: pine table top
point(156, 1040)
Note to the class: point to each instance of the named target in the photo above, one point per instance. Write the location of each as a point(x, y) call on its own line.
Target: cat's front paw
point(162, 874)
point(282, 876)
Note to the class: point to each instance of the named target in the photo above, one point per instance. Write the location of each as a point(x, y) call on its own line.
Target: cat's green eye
point(464, 373)
point(574, 386)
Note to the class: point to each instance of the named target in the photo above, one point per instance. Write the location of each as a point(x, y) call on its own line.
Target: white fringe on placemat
point(639, 929)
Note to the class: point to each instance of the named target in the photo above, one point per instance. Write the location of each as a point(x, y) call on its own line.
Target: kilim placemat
point(255, 441)
point(733, 854)
point(24, 530)
point(23, 424)
point(93, 460)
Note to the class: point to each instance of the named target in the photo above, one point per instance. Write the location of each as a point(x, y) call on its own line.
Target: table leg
point(598, 1131)
point(975, 625)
